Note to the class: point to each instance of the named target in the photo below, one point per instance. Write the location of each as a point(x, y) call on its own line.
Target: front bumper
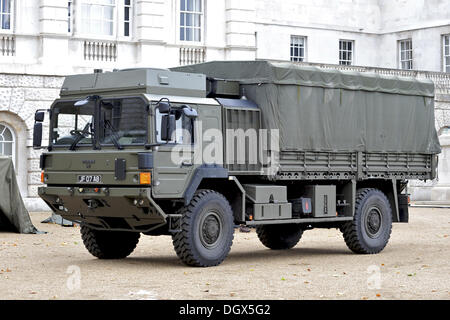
point(118, 209)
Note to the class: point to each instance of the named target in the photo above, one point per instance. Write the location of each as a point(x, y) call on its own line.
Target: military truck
point(192, 152)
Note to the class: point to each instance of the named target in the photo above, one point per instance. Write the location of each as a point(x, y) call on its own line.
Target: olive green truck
point(195, 151)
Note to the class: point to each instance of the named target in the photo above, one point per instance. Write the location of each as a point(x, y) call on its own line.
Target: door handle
point(187, 164)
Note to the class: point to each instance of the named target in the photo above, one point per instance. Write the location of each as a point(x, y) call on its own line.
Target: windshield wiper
point(113, 136)
point(80, 135)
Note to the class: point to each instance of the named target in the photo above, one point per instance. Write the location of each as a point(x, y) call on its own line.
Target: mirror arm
point(149, 146)
point(168, 103)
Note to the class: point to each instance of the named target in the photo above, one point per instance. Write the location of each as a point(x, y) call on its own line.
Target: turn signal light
point(42, 176)
point(145, 178)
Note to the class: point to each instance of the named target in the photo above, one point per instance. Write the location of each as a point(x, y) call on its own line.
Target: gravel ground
point(414, 265)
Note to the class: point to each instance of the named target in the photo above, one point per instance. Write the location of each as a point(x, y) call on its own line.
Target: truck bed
point(354, 165)
point(310, 165)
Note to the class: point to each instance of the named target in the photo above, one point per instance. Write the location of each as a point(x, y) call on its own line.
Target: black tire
point(207, 230)
point(370, 230)
point(109, 244)
point(279, 236)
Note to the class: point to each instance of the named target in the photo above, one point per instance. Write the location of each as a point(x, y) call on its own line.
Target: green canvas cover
point(332, 110)
point(13, 214)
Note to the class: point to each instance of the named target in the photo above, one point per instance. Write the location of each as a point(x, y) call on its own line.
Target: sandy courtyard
point(414, 265)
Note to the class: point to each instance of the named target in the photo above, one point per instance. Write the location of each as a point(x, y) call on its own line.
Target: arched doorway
point(13, 143)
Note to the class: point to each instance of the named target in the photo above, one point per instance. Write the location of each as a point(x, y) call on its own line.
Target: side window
point(184, 132)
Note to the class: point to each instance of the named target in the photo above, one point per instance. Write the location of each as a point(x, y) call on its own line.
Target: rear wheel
point(109, 244)
point(207, 230)
point(370, 230)
point(279, 236)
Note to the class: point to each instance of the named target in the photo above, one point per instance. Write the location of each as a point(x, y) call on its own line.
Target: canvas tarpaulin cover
point(13, 213)
point(331, 110)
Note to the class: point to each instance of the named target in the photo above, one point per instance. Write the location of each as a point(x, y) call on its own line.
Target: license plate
point(89, 179)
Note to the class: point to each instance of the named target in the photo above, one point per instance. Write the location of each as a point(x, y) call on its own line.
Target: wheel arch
point(202, 173)
point(389, 188)
point(232, 190)
point(216, 178)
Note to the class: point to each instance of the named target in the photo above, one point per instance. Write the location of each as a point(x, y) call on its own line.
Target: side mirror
point(37, 132)
point(37, 135)
point(163, 107)
point(168, 126)
point(39, 116)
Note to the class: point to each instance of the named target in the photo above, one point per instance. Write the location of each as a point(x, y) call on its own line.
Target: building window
point(70, 16)
point(346, 48)
point(298, 48)
point(406, 54)
point(191, 15)
point(98, 17)
point(446, 45)
point(127, 18)
point(5, 14)
point(7, 142)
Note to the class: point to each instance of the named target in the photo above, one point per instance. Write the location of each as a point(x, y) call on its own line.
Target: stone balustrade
point(441, 79)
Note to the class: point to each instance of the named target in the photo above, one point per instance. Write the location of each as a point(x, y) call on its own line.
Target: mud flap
point(403, 208)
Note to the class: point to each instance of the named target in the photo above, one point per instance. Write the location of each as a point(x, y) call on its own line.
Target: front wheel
point(207, 230)
point(370, 230)
point(109, 244)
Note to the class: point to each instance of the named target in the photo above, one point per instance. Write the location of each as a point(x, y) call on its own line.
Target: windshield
point(71, 124)
point(123, 122)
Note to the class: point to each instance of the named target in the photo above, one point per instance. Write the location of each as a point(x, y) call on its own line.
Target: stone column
point(240, 30)
point(53, 23)
point(441, 190)
point(152, 21)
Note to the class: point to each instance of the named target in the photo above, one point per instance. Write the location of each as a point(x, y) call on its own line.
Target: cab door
point(174, 162)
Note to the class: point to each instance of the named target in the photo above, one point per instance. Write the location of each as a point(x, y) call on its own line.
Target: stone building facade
point(41, 41)
point(20, 96)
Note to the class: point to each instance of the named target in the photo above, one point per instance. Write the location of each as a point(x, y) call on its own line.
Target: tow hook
point(92, 204)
